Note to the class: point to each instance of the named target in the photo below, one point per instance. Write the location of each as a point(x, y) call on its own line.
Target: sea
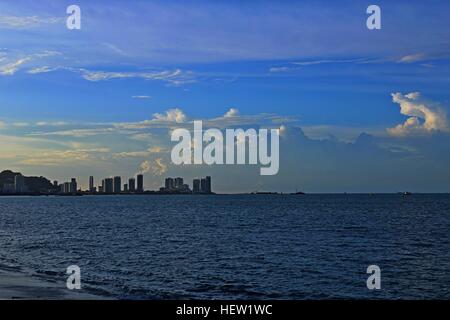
point(268, 246)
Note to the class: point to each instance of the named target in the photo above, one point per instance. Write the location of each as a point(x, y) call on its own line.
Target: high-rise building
point(55, 184)
point(125, 187)
point(169, 184)
point(178, 183)
point(140, 183)
point(109, 185)
point(196, 186)
point(91, 184)
point(117, 184)
point(208, 185)
point(73, 186)
point(132, 184)
point(66, 187)
point(19, 184)
point(203, 185)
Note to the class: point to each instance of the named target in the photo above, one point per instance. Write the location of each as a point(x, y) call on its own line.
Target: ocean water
point(233, 246)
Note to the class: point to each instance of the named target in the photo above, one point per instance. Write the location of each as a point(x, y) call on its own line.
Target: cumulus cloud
point(171, 115)
point(233, 112)
point(155, 167)
point(424, 117)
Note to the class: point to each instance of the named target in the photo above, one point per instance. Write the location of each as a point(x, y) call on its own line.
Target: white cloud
point(172, 115)
point(51, 124)
point(175, 77)
point(279, 69)
point(423, 117)
point(43, 69)
point(324, 61)
point(18, 22)
point(13, 64)
point(411, 58)
point(141, 97)
point(155, 167)
point(141, 154)
point(11, 68)
point(233, 112)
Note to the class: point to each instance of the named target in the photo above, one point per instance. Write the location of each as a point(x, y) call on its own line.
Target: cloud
point(43, 69)
point(424, 118)
point(11, 68)
point(233, 112)
point(51, 124)
point(141, 154)
point(62, 157)
point(18, 22)
point(155, 167)
point(412, 58)
point(172, 115)
point(13, 64)
point(326, 61)
point(279, 69)
point(176, 77)
point(78, 133)
point(141, 97)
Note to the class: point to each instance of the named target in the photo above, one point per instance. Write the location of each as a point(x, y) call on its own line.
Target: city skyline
point(108, 185)
point(358, 110)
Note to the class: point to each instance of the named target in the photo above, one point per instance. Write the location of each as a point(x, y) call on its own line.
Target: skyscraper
point(140, 183)
point(196, 186)
point(117, 184)
point(73, 186)
point(178, 183)
point(91, 184)
point(203, 185)
point(132, 184)
point(108, 187)
point(208, 185)
point(169, 184)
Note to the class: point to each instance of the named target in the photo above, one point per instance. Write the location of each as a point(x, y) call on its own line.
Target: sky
point(358, 110)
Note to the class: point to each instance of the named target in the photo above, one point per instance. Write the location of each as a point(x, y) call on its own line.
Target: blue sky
point(69, 97)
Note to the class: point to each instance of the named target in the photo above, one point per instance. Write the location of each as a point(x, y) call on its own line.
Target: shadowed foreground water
point(233, 247)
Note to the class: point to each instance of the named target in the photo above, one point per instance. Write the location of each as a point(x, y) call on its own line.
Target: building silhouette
point(196, 186)
point(202, 185)
point(91, 184)
point(117, 185)
point(73, 186)
point(140, 183)
point(108, 185)
point(132, 184)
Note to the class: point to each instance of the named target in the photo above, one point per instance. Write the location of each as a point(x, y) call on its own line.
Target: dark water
point(234, 247)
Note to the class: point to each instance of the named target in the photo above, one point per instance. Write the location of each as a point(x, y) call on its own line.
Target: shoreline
point(18, 286)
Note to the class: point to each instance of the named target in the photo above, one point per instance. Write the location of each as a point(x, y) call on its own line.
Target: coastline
point(19, 286)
